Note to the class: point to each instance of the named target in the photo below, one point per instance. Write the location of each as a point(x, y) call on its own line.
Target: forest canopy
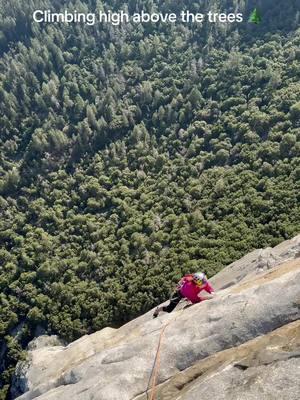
point(130, 155)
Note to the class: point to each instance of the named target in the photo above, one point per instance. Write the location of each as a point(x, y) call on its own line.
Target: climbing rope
point(157, 362)
point(156, 365)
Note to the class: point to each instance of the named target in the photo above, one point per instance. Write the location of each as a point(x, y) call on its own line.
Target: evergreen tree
point(255, 17)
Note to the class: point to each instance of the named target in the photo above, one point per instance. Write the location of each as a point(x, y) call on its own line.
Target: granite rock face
point(267, 368)
point(243, 344)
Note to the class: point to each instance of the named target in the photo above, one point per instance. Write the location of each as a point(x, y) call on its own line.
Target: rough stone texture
point(20, 380)
point(45, 341)
point(250, 371)
point(256, 262)
point(277, 380)
point(262, 294)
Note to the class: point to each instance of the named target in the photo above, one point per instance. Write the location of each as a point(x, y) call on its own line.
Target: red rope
point(156, 366)
point(157, 363)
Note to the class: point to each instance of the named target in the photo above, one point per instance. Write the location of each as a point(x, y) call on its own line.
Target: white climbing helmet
point(199, 278)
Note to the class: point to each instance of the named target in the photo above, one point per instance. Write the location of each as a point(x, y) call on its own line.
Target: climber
point(188, 287)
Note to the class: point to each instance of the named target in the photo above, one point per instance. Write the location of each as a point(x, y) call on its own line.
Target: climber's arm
point(209, 289)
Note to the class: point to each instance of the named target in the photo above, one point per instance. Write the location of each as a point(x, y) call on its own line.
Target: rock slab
point(258, 297)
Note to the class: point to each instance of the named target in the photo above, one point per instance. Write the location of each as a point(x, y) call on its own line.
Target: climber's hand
point(208, 296)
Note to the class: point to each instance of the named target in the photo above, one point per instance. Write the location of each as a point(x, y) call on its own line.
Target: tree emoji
point(255, 17)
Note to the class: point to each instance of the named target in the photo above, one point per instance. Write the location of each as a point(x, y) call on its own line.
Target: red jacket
point(191, 291)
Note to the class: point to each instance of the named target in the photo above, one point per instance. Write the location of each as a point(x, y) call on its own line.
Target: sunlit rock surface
point(244, 344)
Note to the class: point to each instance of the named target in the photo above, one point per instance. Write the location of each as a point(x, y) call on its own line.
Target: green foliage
point(255, 17)
point(130, 156)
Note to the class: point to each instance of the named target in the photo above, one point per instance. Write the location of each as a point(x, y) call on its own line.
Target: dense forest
point(132, 154)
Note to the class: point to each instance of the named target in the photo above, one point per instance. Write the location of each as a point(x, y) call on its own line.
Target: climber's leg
point(175, 299)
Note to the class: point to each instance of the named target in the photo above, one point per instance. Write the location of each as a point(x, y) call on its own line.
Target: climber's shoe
point(156, 312)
